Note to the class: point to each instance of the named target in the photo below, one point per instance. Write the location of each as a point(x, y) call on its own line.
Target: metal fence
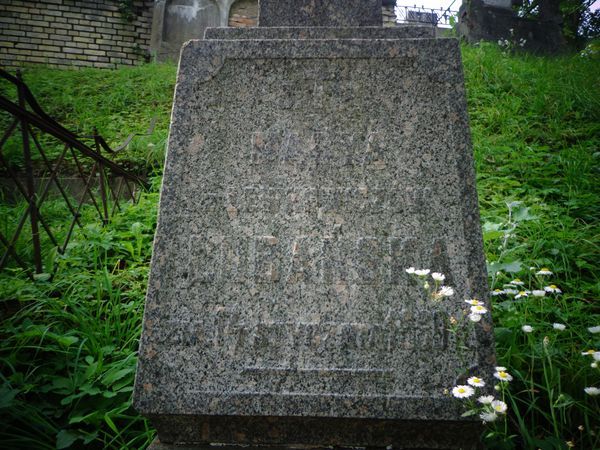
point(30, 127)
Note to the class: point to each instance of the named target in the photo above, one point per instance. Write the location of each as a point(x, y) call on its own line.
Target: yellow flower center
point(553, 286)
point(461, 390)
point(502, 374)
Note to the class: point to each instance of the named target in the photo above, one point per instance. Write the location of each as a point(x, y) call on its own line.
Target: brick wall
point(67, 33)
point(243, 13)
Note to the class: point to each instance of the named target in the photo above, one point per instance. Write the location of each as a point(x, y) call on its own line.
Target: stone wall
point(67, 33)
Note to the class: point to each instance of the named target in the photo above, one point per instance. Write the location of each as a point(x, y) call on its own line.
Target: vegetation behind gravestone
point(117, 103)
point(579, 23)
point(68, 347)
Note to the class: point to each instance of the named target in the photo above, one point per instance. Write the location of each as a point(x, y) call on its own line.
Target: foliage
point(69, 346)
point(575, 17)
point(117, 103)
point(536, 133)
point(127, 10)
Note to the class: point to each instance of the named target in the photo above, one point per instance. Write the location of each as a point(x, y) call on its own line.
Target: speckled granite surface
point(319, 13)
point(302, 178)
point(416, 31)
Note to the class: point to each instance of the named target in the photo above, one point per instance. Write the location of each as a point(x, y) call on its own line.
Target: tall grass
point(536, 136)
point(69, 346)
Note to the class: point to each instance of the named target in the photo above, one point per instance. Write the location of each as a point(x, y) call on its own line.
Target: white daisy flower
point(499, 406)
point(463, 391)
point(422, 272)
point(488, 416)
point(544, 271)
point(596, 356)
point(522, 294)
point(594, 365)
point(486, 399)
point(474, 317)
point(594, 330)
point(517, 282)
point(559, 326)
point(497, 292)
point(592, 391)
point(503, 376)
point(527, 328)
point(588, 352)
point(474, 302)
point(476, 382)
point(438, 276)
point(538, 293)
point(553, 289)
point(478, 309)
point(410, 270)
point(446, 291)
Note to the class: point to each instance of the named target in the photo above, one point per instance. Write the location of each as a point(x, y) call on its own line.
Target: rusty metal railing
point(93, 168)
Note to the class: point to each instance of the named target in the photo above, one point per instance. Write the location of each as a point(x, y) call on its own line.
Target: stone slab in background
point(319, 13)
point(302, 178)
point(400, 32)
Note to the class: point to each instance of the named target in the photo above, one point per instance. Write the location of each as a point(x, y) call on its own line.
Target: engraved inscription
point(363, 260)
point(316, 200)
point(316, 345)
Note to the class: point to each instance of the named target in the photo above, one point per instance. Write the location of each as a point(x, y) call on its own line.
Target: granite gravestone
point(304, 175)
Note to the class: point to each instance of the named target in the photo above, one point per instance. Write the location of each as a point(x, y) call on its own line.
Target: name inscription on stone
point(362, 260)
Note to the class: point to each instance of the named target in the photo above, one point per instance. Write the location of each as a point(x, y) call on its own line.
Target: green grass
point(68, 347)
point(536, 137)
point(118, 103)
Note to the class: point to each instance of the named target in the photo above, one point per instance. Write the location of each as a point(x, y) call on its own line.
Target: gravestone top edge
point(227, 33)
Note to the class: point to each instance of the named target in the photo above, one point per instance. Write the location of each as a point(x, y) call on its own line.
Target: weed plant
point(68, 352)
point(68, 347)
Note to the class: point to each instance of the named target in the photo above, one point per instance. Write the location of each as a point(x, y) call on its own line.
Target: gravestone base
point(269, 433)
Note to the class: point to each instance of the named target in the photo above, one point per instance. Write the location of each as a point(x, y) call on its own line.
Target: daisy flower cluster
point(432, 282)
point(595, 364)
point(487, 407)
point(477, 310)
point(516, 288)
